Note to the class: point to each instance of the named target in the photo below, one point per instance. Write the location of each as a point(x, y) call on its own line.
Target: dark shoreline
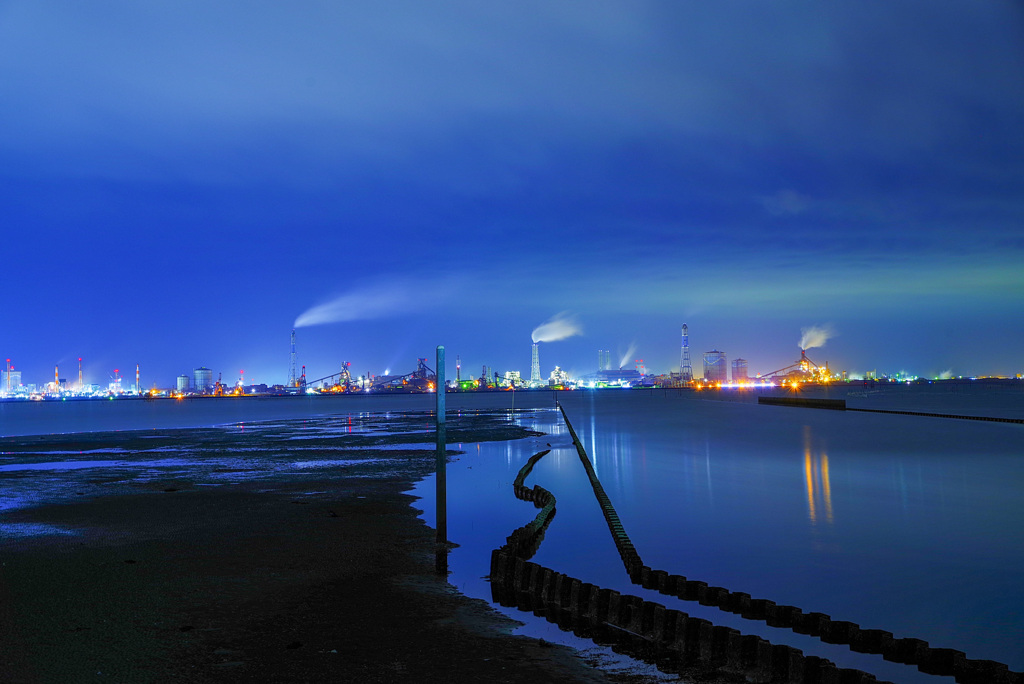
point(286, 579)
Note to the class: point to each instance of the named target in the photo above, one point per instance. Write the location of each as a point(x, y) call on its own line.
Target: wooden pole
point(441, 461)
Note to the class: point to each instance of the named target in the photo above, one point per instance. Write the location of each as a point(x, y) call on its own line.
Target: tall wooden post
point(441, 479)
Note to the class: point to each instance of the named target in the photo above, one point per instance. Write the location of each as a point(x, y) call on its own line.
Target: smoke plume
point(376, 301)
point(815, 336)
point(559, 327)
point(355, 306)
point(628, 355)
point(946, 374)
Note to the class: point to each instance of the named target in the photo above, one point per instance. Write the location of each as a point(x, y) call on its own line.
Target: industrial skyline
point(182, 187)
point(716, 369)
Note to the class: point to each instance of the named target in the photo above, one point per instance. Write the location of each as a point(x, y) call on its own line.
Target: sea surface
point(19, 417)
point(910, 524)
point(907, 523)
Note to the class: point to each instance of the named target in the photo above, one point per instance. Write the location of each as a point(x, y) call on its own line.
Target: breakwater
point(801, 402)
point(840, 405)
point(655, 633)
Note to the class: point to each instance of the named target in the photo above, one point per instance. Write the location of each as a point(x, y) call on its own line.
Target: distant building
point(10, 381)
point(739, 370)
point(558, 377)
point(203, 379)
point(183, 383)
point(613, 377)
point(716, 368)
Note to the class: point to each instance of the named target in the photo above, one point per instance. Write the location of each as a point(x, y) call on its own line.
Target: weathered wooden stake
point(441, 479)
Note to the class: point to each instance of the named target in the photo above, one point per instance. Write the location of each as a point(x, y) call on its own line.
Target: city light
point(203, 382)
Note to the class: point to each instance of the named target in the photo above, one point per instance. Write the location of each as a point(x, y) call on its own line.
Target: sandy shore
point(274, 579)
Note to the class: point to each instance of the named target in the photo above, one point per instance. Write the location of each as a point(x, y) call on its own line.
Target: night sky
point(182, 183)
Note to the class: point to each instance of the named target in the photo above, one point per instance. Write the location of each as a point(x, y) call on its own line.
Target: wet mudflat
point(282, 551)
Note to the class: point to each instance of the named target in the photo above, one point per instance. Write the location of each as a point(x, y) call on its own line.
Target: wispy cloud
point(785, 203)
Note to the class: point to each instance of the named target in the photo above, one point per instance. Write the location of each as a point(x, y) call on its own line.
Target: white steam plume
point(373, 302)
point(946, 374)
point(815, 336)
point(559, 327)
point(628, 355)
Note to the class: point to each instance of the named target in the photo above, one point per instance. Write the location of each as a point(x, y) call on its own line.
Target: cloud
point(559, 327)
point(785, 203)
point(171, 71)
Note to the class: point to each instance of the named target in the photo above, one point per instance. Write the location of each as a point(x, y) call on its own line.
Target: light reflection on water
point(76, 465)
point(335, 462)
point(33, 475)
point(908, 524)
point(901, 523)
point(819, 485)
point(32, 529)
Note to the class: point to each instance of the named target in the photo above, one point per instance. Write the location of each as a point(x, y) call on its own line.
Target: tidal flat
point(280, 551)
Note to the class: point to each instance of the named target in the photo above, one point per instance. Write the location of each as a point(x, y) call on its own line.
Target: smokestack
point(535, 366)
point(81, 385)
point(56, 379)
point(292, 381)
point(137, 379)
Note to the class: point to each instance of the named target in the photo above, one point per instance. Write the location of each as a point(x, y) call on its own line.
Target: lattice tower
point(685, 369)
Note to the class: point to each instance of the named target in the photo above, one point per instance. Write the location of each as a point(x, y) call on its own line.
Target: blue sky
point(180, 182)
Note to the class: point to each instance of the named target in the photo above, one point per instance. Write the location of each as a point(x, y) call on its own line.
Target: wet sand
point(278, 579)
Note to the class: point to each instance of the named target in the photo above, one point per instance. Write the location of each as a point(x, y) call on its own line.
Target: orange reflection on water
point(819, 486)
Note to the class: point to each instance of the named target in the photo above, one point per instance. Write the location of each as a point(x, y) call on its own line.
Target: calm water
point(49, 417)
point(903, 523)
point(910, 524)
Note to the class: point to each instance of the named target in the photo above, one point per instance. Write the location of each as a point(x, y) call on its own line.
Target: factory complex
point(718, 373)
